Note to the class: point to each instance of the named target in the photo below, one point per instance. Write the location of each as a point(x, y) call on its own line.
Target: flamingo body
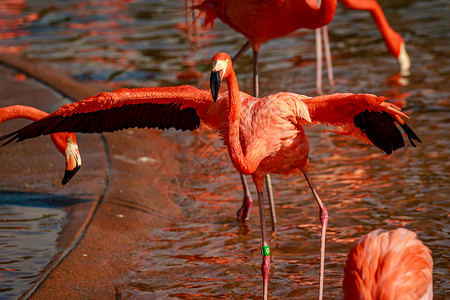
point(65, 142)
point(260, 21)
point(388, 265)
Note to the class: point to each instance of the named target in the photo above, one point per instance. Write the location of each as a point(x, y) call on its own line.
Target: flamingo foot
point(265, 269)
point(243, 214)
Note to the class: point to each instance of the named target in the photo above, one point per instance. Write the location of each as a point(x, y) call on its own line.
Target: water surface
point(208, 254)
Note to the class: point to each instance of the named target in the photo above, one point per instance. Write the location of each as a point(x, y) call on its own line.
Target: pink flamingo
point(66, 143)
point(392, 39)
point(388, 265)
point(394, 42)
point(263, 135)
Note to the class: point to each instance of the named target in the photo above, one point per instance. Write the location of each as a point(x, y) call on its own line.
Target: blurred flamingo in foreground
point(263, 135)
point(389, 265)
point(66, 143)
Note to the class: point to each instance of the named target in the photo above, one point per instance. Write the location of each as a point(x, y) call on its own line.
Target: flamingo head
point(73, 159)
point(67, 145)
point(396, 46)
point(222, 67)
point(404, 61)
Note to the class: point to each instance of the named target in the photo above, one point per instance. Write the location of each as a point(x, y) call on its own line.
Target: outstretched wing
point(365, 116)
point(179, 107)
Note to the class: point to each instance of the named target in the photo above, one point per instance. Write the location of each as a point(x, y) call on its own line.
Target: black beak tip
point(69, 174)
point(214, 82)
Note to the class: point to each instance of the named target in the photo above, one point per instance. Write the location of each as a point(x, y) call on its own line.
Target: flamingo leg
point(265, 265)
point(326, 46)
point(192, 25)
point(324, 222)
point(273, 215)
point(319, 61)
point(255, 74)
point(244, 212)
point(188, 4)
point(241, 51)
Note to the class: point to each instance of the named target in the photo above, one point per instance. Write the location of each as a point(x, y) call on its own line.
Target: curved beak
point(404, 61)
point(68, 174)
point(73, 161)
point(214, 82)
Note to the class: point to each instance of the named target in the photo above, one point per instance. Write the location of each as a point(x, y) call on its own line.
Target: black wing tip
point(411, 134)
point(381, 130)
point(68, 174)
point(13, 136)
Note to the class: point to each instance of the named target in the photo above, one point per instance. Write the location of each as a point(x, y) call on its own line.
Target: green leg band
point(265, 251)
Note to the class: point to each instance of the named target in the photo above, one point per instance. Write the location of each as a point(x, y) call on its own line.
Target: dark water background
point(209, 254)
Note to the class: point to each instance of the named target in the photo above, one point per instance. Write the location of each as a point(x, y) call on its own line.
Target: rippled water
point(209, 254)
point(28, 234)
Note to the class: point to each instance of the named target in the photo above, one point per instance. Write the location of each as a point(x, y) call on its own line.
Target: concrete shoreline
point(122, 198)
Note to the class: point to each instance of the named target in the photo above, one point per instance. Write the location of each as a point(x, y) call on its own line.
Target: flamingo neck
point(21, 112)
point(244, 164)
point(33, 114)
point(391, 38)
point(60, 141)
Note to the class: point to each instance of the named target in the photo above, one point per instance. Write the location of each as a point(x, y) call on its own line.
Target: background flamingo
point(260, 23)
point(394, 42)
point(389, 265)
point(65, 142)
point(243, 122)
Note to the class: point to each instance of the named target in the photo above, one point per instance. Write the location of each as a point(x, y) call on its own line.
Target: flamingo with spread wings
point(260, 21)
point(65, 142)
point(263, 135)
point(389, 265)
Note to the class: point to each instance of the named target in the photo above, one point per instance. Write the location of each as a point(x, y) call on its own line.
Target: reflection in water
point(209, 254)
